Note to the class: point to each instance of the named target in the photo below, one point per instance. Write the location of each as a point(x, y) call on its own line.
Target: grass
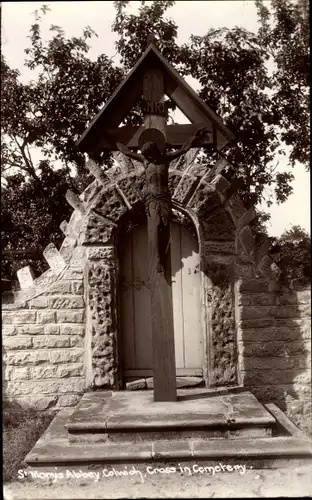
point(21, 430)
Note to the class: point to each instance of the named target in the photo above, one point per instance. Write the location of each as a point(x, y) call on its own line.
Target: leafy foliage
point(293, 253)
point(266, 110)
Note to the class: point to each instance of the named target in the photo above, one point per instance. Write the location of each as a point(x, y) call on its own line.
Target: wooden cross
point(152, 77)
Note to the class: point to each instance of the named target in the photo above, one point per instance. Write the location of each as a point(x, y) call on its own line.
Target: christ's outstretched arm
point(199, 134)
point(131, 154)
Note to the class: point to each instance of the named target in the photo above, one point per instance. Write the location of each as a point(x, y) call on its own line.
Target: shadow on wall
point(275, 347)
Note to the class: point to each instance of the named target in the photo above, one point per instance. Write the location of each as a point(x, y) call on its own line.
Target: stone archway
point(134, 300)
point(205, 198)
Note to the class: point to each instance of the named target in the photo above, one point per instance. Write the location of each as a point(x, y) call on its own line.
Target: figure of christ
point(157, 195)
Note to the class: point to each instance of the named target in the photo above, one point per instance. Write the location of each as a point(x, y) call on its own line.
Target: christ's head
point(150, 150)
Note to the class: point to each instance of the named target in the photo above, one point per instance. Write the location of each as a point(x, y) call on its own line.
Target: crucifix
point(152, 78)
point(158, 209)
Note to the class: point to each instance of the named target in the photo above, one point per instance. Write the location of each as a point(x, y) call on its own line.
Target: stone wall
point(61, 336)
point(43, 345)
point(274, 346)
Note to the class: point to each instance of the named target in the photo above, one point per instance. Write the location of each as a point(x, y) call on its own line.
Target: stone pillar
point(102, 363)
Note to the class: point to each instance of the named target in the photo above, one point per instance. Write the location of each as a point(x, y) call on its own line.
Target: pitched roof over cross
point(129, 92)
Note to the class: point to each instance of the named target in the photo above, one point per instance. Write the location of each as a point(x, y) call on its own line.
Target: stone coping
point(138, 411)
point(54, 448)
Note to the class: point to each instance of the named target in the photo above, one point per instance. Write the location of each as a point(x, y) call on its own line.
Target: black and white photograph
point(156, 249)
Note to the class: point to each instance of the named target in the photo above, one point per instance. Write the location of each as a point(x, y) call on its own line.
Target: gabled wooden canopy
point(130, 91)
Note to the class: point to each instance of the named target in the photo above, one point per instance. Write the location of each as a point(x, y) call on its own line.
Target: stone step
point(135, 417)
point(54, 450)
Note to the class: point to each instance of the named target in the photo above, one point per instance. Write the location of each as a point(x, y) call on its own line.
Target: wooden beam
point(176, 136)
point(164, 369)
point(193, 110)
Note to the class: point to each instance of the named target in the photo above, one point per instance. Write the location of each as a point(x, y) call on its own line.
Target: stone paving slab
point(54, 448)
point(194, 408)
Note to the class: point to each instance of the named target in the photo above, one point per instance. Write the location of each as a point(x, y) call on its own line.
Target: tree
point(51, 112)
point(266, 112)
point(293, 254)
point(231, 67)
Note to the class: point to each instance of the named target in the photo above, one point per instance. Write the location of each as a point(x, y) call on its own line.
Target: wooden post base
point(162, 323)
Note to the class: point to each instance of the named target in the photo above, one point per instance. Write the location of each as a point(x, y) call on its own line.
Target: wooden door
point(135, 306)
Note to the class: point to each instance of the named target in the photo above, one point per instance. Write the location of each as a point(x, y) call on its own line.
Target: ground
point(267, 483)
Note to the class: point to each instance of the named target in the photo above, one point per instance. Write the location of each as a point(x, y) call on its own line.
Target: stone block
point(106, 253)
point(18, 317)
point(220, 184)
point(275, 377)
point(20, 358)
point(256, 323)
point(216, 170)
point(244, 300)
point(304, 297)
point(73, 273)
point(204, 199)
point(280, 392)
point(44, 371)
point(54, 258)
point(275, 348)
point(249, 312)
point(72, 329)
point(9, 330)
point(70, 316)
point(76, 287)
point(287, 298)
point(63, 227)
point(45, 279)
point(21, 373)
point(34, 387)
point(58, 371)
point(66, 400)
point(14, 343)
point(30, 330)
point(246, 218)
point(220, 247)
point(254, 286)
point(181, 382)
point(51, 341)
point(25, 277)
point(173, 181)
point(235, 207)
point(246, 239)
point(75, 341)
point(285, 311)
point(38, 303)
point(136, 385)
point(51, 329)
point(276, 333)
point(66, 302)
point(244, 271)
point(185, 189)
point(46, 316)
point(111, 205)
point(71, 355)
point(273, 363)
point(60, 287)
point(131, 189)
point(263, 299)
point(74, 202)
point(37, 403)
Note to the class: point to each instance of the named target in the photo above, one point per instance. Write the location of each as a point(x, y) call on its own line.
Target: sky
point(192, 17)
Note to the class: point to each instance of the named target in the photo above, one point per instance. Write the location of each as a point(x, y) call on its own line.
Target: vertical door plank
point(176, 265)
point(142, 300)
point(127, 301)
point(193, 343)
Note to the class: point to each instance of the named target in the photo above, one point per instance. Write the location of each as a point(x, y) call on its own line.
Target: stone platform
point(134, 417)
point(118, 427)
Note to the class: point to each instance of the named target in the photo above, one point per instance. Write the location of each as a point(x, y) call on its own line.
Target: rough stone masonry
point(61, 332)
